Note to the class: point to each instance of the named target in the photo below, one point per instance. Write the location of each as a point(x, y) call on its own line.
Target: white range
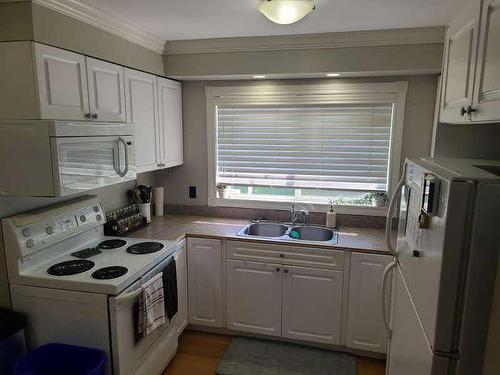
point(78, 286)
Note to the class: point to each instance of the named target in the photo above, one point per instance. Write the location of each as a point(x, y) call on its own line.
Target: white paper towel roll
point(159, 194)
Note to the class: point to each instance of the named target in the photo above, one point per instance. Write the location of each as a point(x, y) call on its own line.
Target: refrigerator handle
point(383, 304)
point(388, 223)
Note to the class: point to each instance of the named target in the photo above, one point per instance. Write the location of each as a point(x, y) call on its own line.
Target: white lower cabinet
point(253, 297)
point(365, 328)
point(312, 304)
point(205, 282)
point(180, 320)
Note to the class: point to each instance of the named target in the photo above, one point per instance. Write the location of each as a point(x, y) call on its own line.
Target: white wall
point(417, 131)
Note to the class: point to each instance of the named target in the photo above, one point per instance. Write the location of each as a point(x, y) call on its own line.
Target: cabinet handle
point(88, 115)
point(471, 110)
point(94, 116)
point(278, 269)
point(467, 110)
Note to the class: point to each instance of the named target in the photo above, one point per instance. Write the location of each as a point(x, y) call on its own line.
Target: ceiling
point(198, 19)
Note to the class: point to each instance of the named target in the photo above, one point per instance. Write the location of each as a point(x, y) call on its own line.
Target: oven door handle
point(127, 297)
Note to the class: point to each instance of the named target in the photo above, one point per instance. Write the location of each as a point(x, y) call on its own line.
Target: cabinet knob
point(467, 110)
point(278, 269)
point(286, 270)
point(94, 116)
point(416, 253)
point(282, 255)
point(463, 111)
point(88, 115)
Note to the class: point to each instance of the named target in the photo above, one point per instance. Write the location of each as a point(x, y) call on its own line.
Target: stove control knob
point(96, 209)
point(83, 219)
point(49, 230)
point(98, 217)
point(26, 232)
point(30, 243)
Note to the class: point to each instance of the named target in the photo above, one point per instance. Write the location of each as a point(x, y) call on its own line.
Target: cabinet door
point(458, 68)
point(106, 90)
point(181, 318)
point(312, 304)
point(141, 98)
point(62, 83)
point(205, 282)
point(170, 121)
point(365, 328)
point(254, 297)
point(487, 89)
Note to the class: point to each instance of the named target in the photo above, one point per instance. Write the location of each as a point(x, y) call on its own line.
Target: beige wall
point(381, 60)
point(475, 141)
point(417, 132)
point(28, 21)
point(15, 21)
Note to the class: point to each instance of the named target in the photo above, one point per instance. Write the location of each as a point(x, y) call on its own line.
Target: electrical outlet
point(192, 192)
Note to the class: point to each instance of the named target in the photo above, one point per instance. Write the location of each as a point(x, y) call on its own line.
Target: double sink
point(292, 233)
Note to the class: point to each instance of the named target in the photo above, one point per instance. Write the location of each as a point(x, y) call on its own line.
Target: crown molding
point(372, 38)
point(104, 21)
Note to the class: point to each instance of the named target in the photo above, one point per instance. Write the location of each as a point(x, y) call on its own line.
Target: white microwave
point(49, 158)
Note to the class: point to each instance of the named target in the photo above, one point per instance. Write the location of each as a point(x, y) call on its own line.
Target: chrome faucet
point(297, 214)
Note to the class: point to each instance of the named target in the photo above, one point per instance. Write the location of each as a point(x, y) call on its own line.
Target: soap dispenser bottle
point(331, 217)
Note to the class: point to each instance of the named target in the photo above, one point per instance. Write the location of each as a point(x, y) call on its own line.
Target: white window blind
point(326, 146)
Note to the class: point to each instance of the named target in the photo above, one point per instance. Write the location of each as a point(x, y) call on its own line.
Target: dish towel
point(151, 305)
point(170, 287)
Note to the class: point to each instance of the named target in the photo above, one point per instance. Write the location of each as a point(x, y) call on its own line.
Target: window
point(293, 144)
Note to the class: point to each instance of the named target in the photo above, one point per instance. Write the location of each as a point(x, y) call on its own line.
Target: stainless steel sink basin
point(282, 232)
point(310, 233)
point(266, 230)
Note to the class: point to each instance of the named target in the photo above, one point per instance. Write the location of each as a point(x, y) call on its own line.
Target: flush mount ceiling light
point(285, 12)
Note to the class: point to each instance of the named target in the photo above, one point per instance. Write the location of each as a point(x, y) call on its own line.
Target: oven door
point(128, 353)
point(84, 163)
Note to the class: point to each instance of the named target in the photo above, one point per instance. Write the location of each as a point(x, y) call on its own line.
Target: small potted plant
point(377, 198)
point(221, 189)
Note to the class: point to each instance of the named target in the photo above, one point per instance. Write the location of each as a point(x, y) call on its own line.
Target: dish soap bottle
point(331, 216)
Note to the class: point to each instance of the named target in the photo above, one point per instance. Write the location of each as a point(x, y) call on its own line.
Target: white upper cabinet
point(170, 121)
point(205, 282)
point(106, 90)
point(312, 304)
point(254, 297)
point(487, 85)
point(141, 101)
point(458, 68)
point(62, 84)
point(365, 328)
point(471, 68)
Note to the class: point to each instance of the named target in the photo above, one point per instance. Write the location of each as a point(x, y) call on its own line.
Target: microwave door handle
point(125, 147)
point(116, 159)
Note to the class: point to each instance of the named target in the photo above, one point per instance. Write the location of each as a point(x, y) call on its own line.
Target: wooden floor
point(199, 353)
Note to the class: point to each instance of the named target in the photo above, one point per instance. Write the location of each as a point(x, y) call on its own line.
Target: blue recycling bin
point(12, 342)
point(61, 359)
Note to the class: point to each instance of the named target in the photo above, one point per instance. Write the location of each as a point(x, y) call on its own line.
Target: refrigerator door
point(409, 351)
point(432, 255)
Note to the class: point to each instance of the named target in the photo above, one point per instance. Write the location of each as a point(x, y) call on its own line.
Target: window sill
point(285, 205)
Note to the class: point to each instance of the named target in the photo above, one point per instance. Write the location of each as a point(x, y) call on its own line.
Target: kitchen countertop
point(177, 227)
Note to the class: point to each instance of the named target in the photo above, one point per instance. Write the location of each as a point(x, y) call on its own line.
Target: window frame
point(321, 93)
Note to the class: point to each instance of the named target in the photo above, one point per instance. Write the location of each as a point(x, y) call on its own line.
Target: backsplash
point(362, 221)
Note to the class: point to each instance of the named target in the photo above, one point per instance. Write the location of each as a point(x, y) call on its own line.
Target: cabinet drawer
point(283, 254)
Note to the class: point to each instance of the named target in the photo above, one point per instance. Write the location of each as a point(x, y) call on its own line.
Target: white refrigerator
point(444, 269)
